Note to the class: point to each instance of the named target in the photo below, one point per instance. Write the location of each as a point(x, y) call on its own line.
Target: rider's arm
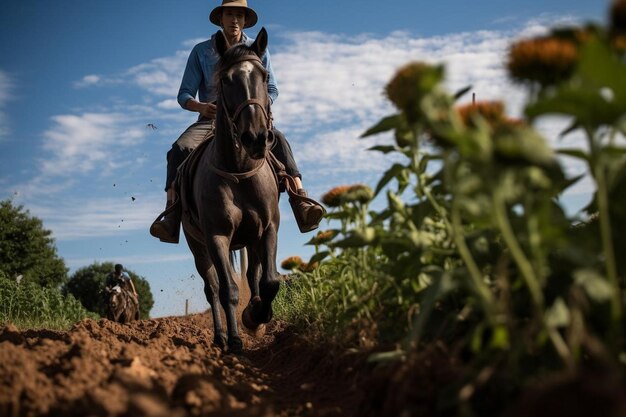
point(272, 87)
point(190, 84)
point(206, 109)
point(192, 77)
point(132, 285)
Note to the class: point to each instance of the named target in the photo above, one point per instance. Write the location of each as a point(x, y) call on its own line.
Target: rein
point(251, 101)
point(238, 176)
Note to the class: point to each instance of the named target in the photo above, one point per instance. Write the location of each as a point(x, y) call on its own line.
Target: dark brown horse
point(120, 305)
point(231, 202)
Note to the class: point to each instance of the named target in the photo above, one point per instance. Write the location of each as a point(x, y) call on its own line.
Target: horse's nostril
point(270, 138)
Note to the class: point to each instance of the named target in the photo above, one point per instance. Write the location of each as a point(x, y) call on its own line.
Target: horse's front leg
point(211, 291)
point(228, 290)
point(269, 283)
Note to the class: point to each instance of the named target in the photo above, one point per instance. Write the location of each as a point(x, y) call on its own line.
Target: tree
point(27, 249)
point(87, 285)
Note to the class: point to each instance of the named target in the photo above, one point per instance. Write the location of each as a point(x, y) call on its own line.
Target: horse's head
point(242, 90)
point(114, 294)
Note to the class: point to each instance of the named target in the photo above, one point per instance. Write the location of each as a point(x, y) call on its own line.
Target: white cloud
point(77, 143)
point(132, 260)
point(169, 104)
point(331, 91)
point(160, 76)
point(81, 217)
point(88, 80)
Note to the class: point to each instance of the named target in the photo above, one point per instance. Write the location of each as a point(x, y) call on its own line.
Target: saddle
point(185, 174)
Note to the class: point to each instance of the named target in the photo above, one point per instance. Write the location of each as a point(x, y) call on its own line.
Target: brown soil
point(168, 367)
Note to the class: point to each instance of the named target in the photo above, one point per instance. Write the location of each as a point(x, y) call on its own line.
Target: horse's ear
point(221, 43)
point(260, 43)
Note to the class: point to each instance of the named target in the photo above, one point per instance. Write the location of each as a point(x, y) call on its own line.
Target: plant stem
point(597, 168)
point(477, 279)
point(607, 241)
point(524, 265)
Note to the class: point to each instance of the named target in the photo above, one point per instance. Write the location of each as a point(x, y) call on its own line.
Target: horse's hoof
point(220, 342)
point(247, 315)
point(256, 333)
point(235, 345)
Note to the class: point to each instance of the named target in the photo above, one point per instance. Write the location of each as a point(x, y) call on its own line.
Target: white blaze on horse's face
point(115, 293)
point(244, 82)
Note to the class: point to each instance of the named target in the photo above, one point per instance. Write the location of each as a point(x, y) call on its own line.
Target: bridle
point(232, 120)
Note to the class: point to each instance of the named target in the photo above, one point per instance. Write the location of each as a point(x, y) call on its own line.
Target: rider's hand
point(208, 110)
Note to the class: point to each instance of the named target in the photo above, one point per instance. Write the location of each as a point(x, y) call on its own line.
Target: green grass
point(27, 305)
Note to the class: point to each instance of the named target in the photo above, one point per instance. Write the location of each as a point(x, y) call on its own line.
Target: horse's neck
point(229, 154)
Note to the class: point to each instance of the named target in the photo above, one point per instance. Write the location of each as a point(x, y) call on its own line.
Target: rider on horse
point(232, 16)
point(121, 278)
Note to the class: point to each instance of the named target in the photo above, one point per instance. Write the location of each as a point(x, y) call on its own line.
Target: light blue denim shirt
point(198, 76)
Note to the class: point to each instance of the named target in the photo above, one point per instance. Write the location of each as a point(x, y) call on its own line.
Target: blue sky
point(81, 79)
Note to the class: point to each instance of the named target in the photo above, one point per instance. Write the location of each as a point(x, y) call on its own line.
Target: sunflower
point(333, 198)
point(410, 83)
point(323, 237)
point(544, 60)
point(360, 193)
point(492, 111)
point(291, 263)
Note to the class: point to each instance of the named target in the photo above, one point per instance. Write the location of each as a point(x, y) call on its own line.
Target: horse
point(120, 305)
point(232, 197)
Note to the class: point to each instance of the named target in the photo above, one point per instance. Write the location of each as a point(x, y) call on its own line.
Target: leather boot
point(168, 229)
point(308, 213)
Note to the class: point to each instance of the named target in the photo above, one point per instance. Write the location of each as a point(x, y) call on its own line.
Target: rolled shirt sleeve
point(272, 86)
point(192, 77)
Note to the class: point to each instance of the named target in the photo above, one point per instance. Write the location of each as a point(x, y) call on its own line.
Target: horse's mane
point(230, 56)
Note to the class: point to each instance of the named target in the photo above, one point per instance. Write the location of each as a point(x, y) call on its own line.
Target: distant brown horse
point(231, 201)
point(120, 305)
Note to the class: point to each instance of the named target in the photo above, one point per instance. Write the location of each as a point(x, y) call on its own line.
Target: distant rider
point(121, 278)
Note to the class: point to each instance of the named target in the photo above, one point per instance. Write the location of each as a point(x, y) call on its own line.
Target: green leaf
point(572, 127)
point(500, 337)
point(319, 257)
point(442, 284)
point(558, 314)
point(594, 284)
point(357, 238)
point(601, 67)
point(394, 171)
point(587, 106)
point(574, 153)
point(383, 148)
point(462, 92)
point(522, 143)
point(388, 123)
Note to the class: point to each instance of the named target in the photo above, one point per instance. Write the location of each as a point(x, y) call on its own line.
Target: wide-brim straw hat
point(251, 16)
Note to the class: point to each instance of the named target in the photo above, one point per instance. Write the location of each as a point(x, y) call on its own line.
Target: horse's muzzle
point(257, 145)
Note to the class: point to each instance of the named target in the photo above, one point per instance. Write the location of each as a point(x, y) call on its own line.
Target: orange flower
point(291, 263)
point(543, 60)
point(492, 111)
point(323, 237)
point(333, 198)
point(410, 83)
point(619, 43)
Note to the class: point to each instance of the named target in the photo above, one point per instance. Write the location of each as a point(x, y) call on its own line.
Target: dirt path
point(167, 367)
